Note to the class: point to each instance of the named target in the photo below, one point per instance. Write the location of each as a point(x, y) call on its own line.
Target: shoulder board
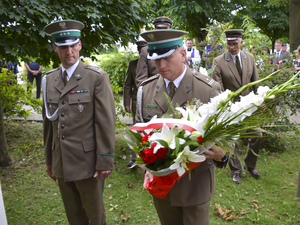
point(206, 79)
point(51, 71)
point(150, 79)
point(94, 68)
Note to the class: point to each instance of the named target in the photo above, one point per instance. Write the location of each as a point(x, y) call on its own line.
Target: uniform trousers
point(38, 80)
point(190, 215)
point(83, 201)
point(253, 147)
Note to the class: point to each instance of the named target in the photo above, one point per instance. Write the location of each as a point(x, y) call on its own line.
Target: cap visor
point(155, 56)
point(67, 42)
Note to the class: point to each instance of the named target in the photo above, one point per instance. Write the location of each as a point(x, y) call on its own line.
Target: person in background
point(34, 71)
point(129, 93)
point(278, 54)
point(79, 127)
point(234, 69)
point(296, 61)
point(192, 55)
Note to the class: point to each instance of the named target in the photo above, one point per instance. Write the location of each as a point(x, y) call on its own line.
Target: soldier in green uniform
point(129, 93)
point(79, 127)
point(234, 69)
point(188, 201)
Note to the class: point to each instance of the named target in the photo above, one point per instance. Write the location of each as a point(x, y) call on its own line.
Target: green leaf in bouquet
point(137, 137)
point(139, 161)
point(135, 147)
point(163, 143)
point(192, 144)
point(211, 70)
point(169, 103)
point(177, 146)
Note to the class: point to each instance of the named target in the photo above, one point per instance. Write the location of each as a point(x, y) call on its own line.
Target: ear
point(54, 47)
point(183, 53)
point(79, 45)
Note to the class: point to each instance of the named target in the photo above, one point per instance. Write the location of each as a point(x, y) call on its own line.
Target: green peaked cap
point(163, 43)
point(64, 32)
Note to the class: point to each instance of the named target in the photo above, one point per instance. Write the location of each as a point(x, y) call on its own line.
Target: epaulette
point(206, 79)
point(149, 79)
point(94, 68)
point(58, 68)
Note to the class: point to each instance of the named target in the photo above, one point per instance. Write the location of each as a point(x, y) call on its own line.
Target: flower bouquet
point(171, 146)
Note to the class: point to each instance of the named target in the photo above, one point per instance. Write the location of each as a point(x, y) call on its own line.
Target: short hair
point(189, 39)
point(278, 42)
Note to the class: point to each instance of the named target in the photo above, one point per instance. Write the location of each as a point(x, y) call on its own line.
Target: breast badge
point(80, 108)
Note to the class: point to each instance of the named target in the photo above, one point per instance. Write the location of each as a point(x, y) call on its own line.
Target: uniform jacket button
point(63, 102)
point(63, 137)
point(62, 115)
point(62, 126)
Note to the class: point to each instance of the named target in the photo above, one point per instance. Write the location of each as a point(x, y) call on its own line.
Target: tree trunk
point(5, 159)
point(294, 24)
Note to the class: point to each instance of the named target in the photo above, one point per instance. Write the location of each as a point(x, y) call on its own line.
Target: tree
point(106, 22)
point(271, 19)
point(5, 159)
point(192, 16)
point(294, 25)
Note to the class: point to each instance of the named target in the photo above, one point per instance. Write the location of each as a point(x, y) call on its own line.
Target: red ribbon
point(161, 186)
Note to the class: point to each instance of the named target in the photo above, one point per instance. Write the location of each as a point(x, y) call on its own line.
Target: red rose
point(161, 153)
point(148, 156)
point(146, 137)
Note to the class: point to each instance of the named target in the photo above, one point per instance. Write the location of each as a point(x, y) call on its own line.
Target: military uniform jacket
point(145, 67)
point(226, 73)
point(130, 88)
point(81, 140)
point(201, 187)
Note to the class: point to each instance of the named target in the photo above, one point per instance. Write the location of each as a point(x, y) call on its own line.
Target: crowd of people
point(79, 116)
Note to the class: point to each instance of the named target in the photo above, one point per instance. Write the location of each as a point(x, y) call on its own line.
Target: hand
point(127, 108)
point(103, 174)
point(50, 173)
point(148, 177)
point(216, 152)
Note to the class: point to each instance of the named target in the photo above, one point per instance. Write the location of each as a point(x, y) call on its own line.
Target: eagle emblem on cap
point(63, 25)
point(151, 36)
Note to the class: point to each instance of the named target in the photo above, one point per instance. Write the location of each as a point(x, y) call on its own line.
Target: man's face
point(278, 46)
point(68, 55)
point(234, 46)
point(162, 26)
point(284, 48)
point(172, 66)
point(189, 43)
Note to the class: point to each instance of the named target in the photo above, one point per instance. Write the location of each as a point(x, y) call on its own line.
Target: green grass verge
point(31, 197)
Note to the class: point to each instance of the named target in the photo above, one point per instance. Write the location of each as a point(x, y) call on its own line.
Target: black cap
point(233, 34)
point(162, 20)
point(284, 44)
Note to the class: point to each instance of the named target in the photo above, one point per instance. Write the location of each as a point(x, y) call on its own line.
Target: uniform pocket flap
point(79, 98)
point(89, 145)
point(52, 97)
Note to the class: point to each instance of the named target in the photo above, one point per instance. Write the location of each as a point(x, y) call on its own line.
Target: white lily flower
point(166, 135)
point(189, 114)
point(203, 71)
point(183, 157)
point(262, 90)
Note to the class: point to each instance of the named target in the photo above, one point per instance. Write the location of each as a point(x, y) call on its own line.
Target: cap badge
point(63, 25)
point(151, 36)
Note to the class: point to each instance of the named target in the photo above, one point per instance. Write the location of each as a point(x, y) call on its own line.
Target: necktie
point(171, 89)
point(238, 65)
point(65, 76)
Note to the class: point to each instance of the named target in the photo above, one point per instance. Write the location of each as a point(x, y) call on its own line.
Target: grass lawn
point(31, 197)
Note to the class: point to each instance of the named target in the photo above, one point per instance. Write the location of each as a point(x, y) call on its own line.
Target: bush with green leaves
point(14, 96)
point(115, 65)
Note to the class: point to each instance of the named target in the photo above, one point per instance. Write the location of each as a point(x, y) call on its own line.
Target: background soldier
point(234, 69)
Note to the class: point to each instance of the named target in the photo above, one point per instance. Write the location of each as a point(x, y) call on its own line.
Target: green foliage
point(272, 20)
point(14, 97)
point(194, 15)
point(106, 22)
point(115, 65)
